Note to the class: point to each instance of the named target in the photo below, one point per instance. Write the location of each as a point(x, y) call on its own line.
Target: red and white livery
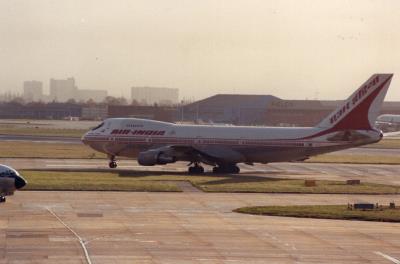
point(153, 142)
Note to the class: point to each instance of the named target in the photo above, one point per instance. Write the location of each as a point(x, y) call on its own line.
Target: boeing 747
point(158, 143)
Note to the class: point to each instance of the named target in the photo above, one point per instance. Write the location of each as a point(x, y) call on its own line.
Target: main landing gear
point(226, 168)
point(2, 199)
point(113, 163)
point(196, 169)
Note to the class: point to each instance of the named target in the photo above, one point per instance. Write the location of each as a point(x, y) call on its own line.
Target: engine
point(154, 157)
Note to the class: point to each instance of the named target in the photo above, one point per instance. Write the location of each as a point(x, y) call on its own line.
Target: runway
point(122, 227)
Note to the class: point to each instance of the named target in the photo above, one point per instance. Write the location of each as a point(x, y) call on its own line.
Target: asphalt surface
point(122, 227)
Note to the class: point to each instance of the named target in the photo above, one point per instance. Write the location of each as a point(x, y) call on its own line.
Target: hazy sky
point(292, 49)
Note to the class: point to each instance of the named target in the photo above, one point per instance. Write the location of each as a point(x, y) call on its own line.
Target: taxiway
point(122, 227)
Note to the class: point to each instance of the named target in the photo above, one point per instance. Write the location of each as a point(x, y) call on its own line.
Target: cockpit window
point(8, 173)
point(97, 127)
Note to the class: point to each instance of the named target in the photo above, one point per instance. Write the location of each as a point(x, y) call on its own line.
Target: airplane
point(388, 122)
point(158, 143)
point(10, 180)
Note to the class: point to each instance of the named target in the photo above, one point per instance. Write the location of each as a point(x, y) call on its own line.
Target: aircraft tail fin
point(360, 110)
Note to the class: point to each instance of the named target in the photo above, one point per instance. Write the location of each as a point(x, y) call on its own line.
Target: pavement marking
point(81, 241)
point(392, 259)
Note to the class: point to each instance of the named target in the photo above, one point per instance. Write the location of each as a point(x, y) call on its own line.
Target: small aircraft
point(158, 143)
point(388, 122)
point(10, 180)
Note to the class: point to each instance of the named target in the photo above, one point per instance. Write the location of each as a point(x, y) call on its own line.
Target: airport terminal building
point(267, 110)
point(235, 109)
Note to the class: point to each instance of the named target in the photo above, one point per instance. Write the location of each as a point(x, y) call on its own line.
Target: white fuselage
point(130, 136)
point(10, 180)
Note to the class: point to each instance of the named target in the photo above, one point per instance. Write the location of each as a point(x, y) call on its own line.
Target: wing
point(207, 154)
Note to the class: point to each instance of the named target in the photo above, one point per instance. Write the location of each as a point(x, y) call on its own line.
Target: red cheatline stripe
point(194, 141)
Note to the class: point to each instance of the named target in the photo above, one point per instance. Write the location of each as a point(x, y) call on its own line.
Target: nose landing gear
point(113, 163)
point(2, 199)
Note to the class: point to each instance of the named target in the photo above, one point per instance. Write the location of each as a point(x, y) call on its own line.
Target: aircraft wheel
point(191, 170)
point(235, 169)
point(2, 199)
point(112, 164)
point(200, 169)
point(196, 170)
point(216, 170)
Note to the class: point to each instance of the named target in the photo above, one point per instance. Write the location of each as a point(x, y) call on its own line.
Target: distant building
point(297, 112)
point(309, 112)
point(160, 113)
point(237, 109)
point(155, 95)
point(63, 90)
point(95, 112)
point(95, 95)
point(33, 91)
point(39, 110)
point(242, 109)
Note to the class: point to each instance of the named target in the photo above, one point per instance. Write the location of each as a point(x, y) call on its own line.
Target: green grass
point(91, 181)
point(256, 184)
point(127, 180)
point(40, 131)
point(25, 149)
point(356, 159)
point(386, 143)
point(325, 212)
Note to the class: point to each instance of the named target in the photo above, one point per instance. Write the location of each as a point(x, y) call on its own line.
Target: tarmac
point(192, 226)
point(189, 227)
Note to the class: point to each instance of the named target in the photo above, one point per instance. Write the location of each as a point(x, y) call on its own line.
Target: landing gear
point(2, 199)
point(113, 163)
point(226, 168)
point(196, 169)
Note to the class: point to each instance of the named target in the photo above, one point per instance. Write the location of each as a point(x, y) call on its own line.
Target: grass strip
point(91, 181)
point(325, 212)
point(39, 131)
point(356, 159)
point(254, 184)
point(148, 181)
point(26, 149)
point(388, 143)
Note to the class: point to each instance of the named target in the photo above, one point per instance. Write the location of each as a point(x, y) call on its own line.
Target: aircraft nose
point(83, 138)
point(19, 182)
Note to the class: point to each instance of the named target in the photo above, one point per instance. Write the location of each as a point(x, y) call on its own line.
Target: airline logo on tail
point(359, 95)
point(361, 109)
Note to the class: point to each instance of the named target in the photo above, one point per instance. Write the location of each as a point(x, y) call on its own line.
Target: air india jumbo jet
point(154, 142)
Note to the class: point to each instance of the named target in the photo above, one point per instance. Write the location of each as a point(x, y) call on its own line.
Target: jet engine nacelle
point(154, 157)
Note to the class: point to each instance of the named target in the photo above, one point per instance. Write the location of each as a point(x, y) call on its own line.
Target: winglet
point(361, 109)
